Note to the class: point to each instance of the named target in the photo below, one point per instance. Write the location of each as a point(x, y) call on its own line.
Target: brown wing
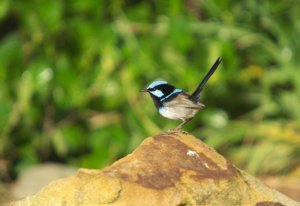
point(182, 100)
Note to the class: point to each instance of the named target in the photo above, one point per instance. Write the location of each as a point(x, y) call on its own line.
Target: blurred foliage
point(71, 71)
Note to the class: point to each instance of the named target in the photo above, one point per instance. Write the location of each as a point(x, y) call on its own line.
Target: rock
point(167, 169)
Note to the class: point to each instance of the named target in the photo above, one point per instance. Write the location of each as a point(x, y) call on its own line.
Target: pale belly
point(179, 113)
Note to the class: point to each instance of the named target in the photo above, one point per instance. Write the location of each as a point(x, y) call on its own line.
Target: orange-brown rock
point(173, 169)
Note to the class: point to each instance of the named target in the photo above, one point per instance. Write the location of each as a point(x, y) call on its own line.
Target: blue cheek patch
point(157, 93)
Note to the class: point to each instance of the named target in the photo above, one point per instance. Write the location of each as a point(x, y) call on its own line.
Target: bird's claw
point(175, 130)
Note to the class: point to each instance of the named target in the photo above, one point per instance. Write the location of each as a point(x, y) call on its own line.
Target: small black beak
point(144, 90)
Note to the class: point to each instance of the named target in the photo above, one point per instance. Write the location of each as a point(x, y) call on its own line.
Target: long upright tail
point(196, 94)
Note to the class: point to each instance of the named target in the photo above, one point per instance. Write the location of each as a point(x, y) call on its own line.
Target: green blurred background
point(71, 72)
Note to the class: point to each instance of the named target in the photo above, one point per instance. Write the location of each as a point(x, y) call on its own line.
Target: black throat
point(156, 101)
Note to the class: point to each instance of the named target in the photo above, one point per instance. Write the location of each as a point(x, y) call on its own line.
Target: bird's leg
point(177, 129)
point(184, 121)
point(180, 125)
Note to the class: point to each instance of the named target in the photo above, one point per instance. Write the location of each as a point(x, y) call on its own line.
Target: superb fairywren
point(176, 104)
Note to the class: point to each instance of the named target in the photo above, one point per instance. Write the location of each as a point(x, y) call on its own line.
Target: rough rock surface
point(167, 169)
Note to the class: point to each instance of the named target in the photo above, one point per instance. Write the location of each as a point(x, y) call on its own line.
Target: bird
point(176, 104)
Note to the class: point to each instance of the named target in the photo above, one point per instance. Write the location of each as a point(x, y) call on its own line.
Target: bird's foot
point(175, 130)
point(184, 132)
point(169, 131)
